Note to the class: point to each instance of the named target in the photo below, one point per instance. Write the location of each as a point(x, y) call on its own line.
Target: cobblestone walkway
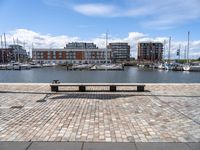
point(165, 114)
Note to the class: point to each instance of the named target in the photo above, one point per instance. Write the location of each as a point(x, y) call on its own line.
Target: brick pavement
point(168, 113)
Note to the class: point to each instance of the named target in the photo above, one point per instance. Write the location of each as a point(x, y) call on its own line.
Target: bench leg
point(54, 88)
point(81, 88)
point(140, 88)
point(112, 88)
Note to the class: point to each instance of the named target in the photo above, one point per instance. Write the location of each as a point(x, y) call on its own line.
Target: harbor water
point(129, 75)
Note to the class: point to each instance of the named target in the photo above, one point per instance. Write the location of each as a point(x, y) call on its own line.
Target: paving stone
point(168, 113)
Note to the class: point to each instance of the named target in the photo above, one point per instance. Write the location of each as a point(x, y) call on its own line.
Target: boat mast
point(2, 50)
point(1, 42)
point(185, 53)
point(188, 48)
point(169, 49)
point(5, 39)
point(106, 48)
point(179, 51)
point(18, 49)
point(164, 47)
point(13, 40)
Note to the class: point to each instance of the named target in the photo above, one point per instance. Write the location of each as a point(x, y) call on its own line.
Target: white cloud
point(39, 40)
point(49, 41)
point(153, 13)
point(95, 9)
point(150, 13)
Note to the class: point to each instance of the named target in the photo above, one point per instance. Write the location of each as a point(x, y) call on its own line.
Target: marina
point(100, 75)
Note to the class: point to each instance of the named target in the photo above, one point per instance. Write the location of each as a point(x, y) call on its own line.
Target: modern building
point(120, 52)
point(80, 45)
point(73, 53)
point(20, 54)
point(13, 53)
point(6, 55)
point(150, 51)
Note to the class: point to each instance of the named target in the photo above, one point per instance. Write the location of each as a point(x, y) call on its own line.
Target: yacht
point(16, 66)
point(34, 65)
point(109, 67)
point(25, 66)
point(47, 65)
point(9, 66)
point(186, 67)
point(2, 67)
point(82, 66)
point(160, 66)
point(195, 67)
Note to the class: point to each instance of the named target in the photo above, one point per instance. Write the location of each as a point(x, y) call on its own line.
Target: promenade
point(163, 113)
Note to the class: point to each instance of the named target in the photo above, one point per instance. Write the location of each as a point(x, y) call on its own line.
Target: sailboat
point(186, 67)
point(107, 66)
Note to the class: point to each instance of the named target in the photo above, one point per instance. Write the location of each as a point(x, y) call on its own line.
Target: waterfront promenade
point(163, 113)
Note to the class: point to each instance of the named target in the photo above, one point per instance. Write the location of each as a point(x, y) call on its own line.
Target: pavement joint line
point(136, 146)
point(82, 146)
point(25, 92)
point(189, 146)
point(45, 97)
point(29, 146)
point(176, 109)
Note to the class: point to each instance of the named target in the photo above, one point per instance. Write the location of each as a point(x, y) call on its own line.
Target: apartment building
point(150, 51)
point(120, 52)
point(13, 53)
point(73, 53)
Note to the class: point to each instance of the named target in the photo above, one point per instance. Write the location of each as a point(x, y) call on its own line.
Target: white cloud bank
point(50, 41)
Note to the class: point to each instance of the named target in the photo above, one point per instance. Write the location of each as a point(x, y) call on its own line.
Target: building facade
point(150, 51)
point(73, 53)
point(13, 53)
point(20, 54)
point(120, 52)
point(6, 55)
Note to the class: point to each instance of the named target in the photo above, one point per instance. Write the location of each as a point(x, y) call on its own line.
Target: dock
point(163, 113)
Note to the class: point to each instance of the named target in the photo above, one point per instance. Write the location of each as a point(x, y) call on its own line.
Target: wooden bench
point(82, 86)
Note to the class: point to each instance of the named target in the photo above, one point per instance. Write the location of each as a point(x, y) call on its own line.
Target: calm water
point(129, 75)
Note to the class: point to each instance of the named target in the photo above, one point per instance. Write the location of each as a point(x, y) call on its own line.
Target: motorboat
point(47, 65)
point(109, 67)
point(82, 66)
point(33, 65)
point(25, 66)
point(16, 66)
point(2, 67)
point(195, 67)
point(9, 66)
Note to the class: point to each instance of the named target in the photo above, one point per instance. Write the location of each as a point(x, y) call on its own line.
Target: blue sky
point(61, 21)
